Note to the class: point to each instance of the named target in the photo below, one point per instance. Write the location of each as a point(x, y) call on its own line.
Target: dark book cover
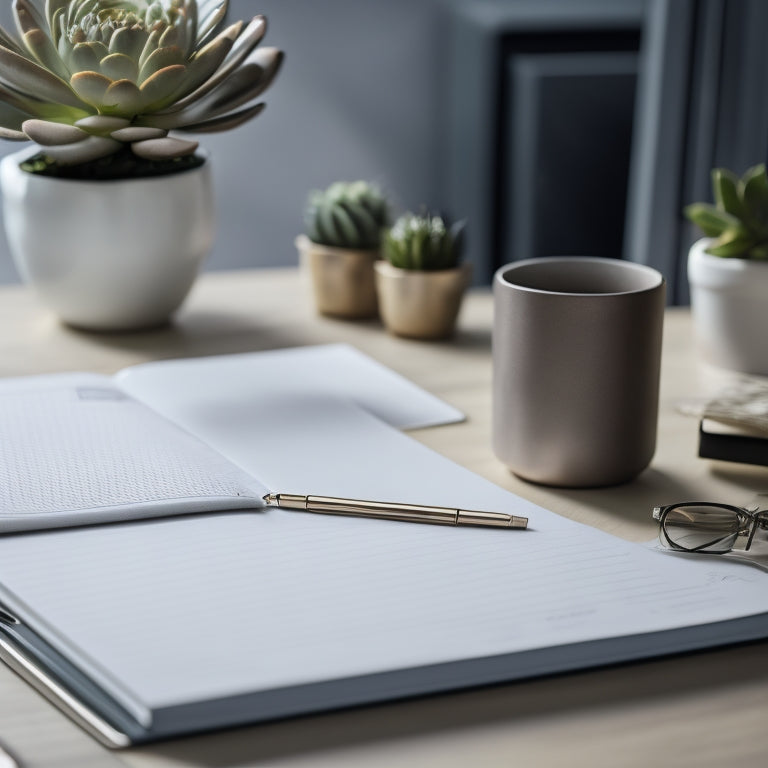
point(725, 443)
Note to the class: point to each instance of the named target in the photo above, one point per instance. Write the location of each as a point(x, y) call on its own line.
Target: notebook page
point(220, 605)
point(336, 370)
point(76, 450)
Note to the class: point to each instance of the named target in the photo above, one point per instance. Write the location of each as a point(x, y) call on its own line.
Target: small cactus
point(739, 219)
point(347, 215)
point(423, 243)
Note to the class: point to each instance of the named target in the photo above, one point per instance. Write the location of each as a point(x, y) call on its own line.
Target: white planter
point(729, 302)
point(108, 255)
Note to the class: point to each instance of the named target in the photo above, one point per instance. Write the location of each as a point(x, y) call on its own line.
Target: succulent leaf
point(93, 148)
point(204, 64)
point(50, 134)
point(10, 135)
point(212, 16)
point(158, 88)
point(13, 103)
point(225, 122)
point(248, 40)
point(261, 67)
point(159, 59)
point(122, 98)
point(157, 64)
point(423, 243)
point(118, 66)
point(732, 243)
point(726, 188)
point(172, 38)
point(83, 57)
point(165, 148)
point(53, 8)
point(755, 192)
point(6, 41)
point(29, 78)
point(91, 87)
point(711, 220)
point(739, 220)
point(242, 87)
point(101, 125)
point(150, 46)
point(43, 49)
point(135, 133)
point(27, 17)
point(129, 41)
point(12, 117)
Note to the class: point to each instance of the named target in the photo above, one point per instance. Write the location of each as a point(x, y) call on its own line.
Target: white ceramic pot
point(108, 255)
point(729, 302)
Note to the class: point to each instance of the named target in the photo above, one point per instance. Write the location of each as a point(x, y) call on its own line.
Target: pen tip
point(270, 499)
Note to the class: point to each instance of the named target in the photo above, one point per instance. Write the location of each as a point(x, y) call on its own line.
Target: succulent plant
point(739, 219)
point(423, 243)
point(349, 214)
point(86, 78)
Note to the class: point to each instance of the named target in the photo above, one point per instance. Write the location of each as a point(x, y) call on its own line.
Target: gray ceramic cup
point(576, 359)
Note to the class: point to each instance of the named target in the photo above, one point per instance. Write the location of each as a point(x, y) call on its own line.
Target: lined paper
point(177, 611)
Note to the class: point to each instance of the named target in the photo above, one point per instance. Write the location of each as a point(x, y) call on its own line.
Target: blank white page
point(333, 370)
point(184, 610)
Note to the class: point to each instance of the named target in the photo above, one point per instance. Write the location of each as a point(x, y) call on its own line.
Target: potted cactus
point(728, 271)
point(344, 224)
point(420, 282)
point(109, 216)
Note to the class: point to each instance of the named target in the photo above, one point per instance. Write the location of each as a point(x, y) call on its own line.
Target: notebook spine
point(18, 652)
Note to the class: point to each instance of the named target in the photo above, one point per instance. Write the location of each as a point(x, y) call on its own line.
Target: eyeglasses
point(707, 527)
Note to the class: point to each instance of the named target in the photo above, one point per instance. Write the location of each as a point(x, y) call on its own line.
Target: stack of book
point(734, 426)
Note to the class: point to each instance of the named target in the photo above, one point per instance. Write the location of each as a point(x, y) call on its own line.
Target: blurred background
point(552, 126)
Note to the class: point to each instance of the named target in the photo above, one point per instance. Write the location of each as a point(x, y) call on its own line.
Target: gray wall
point(358, 97)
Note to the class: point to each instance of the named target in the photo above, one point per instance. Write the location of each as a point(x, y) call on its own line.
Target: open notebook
point(148, 629)
point(78, 449)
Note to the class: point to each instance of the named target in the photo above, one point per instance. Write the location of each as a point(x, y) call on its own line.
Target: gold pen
point(411, 513)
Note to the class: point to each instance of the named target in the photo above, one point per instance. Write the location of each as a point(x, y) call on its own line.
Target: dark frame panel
point(481, 37)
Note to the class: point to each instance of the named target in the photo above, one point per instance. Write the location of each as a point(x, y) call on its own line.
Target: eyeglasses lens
point(703, 529)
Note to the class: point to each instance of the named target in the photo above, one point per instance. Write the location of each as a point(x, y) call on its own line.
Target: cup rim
point(501, 272)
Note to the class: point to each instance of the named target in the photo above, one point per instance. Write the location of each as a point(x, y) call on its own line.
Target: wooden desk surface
point(704, 709)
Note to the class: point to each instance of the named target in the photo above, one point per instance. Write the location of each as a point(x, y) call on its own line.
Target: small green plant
point(89, 79)
point(739, 219)
point(423, 243)
point(349, 214)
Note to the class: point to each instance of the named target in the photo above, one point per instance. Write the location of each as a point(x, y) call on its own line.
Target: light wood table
point(704, 709)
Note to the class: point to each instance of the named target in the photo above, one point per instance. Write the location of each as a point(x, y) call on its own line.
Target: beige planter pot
point(342, 279)
point(420, 305)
